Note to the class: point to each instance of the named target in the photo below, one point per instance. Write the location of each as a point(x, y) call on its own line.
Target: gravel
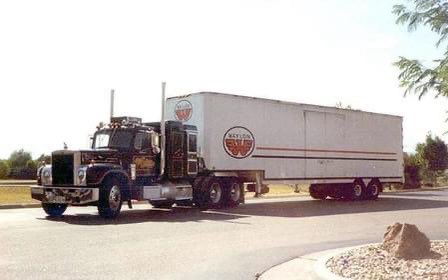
point(372, 262)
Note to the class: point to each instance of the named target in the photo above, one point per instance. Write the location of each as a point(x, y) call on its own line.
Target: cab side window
point(142, 141)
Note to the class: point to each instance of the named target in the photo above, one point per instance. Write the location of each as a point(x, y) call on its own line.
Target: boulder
point(406, 241)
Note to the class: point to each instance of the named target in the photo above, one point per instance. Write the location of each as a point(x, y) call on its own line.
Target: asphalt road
point(184, 243)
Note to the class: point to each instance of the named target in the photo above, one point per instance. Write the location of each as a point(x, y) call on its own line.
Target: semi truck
point(209, 148)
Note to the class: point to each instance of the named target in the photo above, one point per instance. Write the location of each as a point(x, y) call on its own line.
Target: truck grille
point(62, 169)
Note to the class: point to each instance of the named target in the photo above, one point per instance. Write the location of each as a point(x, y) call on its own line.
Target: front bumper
point(65, 195)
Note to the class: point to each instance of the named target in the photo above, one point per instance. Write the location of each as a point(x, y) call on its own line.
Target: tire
point(373, 189)
point(211, 194)
point(54, 210)
point(164, 204)
point(233, 193)
point(109, 205)
point(357, 190)
point(317, 193)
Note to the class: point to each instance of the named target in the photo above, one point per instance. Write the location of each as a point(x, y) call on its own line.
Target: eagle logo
point(239, 142)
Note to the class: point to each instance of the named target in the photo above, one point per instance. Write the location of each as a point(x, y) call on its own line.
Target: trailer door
point(325, 145)
point(314, 139)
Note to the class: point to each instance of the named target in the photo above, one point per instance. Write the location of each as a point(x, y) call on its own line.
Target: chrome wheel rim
point(114, 198)
point(215, 193)
point(357, 190)
point(235, 192)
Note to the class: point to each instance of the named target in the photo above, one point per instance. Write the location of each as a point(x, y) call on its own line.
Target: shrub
point(4, 169)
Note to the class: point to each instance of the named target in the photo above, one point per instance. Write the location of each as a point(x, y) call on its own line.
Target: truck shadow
point(288, 209)
point(134, 216)
point(310, 208)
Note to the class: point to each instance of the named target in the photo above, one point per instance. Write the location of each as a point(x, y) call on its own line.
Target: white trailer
point(209, 146)
point(339, 152)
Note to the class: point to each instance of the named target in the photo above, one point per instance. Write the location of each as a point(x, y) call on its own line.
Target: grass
point(15, 195)
point(22, 194)
point(281, 190)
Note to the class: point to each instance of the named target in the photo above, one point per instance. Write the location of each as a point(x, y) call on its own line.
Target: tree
point(435, 154)
point(19, 158)
point(43, 157)
point(4, 169)
point(415, 76)
point(432, 155)
point(22, 165)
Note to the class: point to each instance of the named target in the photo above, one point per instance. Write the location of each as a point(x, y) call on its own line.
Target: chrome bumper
point(65, 195)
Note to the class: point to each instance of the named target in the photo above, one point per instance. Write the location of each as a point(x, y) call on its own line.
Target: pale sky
point(59, 60)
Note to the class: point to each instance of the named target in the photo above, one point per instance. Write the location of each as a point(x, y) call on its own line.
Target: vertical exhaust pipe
point(162, 133)
point(112, 97)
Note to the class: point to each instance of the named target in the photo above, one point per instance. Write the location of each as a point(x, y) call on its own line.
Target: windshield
point(113, 139)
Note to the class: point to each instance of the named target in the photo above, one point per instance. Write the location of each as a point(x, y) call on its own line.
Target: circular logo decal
point(183, 110)
point(239, 142)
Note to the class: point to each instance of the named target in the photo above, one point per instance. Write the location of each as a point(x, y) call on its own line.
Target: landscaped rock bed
point(374, 262)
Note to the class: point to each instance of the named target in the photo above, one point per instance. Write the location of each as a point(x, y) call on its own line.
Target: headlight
point(46, 175)
point(81, 175)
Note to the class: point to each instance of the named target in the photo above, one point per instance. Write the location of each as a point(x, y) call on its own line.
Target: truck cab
point(128, 160)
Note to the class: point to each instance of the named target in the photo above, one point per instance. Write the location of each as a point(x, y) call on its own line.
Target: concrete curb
point(320, 267)
point(18, 206)
point(308, 267)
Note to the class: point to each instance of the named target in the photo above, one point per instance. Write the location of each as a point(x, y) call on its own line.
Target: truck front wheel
point(109, 205)
point(54, 209)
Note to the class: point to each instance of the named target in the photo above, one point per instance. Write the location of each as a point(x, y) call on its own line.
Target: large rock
point(406, 241)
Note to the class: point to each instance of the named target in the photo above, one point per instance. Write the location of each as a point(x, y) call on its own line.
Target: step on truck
point(210, 148)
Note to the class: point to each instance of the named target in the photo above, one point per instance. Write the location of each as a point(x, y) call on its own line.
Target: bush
point(412, 170)
point(4, 169)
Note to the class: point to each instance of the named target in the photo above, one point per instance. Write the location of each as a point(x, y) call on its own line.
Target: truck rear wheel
point(233, 193)
point(109, 205)
point(211, 194)
point(54, 209)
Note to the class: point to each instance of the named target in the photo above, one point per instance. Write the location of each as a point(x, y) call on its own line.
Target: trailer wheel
point(54, 209)
point(164, 204)
point(211, 195)
point(109, 205)
point(233, 193)
point(357, 190)
point(317, 193)
point(373, 189)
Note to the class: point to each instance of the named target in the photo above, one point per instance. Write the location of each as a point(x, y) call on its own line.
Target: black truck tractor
point(130, 160)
